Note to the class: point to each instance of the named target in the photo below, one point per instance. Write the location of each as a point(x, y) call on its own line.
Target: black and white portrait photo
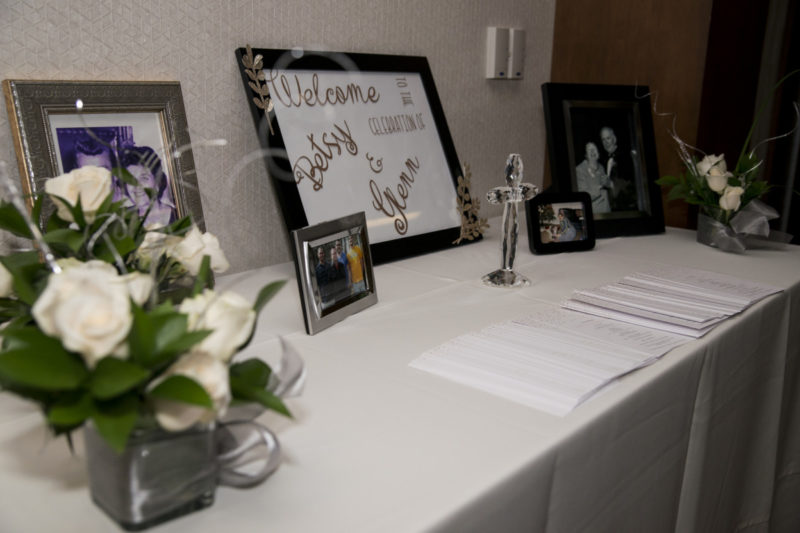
point(607, 157)
point(116, 147)
point(600, 141)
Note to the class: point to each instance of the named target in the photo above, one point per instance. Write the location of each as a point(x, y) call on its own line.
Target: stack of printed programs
point(680, 300)
point(556, 359)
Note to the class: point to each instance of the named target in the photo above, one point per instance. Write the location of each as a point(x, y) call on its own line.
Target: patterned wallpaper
point(193, 41)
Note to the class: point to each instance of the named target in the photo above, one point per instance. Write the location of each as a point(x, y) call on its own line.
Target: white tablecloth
point(706, 439)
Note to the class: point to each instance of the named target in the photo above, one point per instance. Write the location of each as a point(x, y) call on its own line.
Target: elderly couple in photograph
point(608, 177)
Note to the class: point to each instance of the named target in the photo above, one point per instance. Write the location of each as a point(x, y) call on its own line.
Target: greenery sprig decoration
point(472, 225)
point(254, 68)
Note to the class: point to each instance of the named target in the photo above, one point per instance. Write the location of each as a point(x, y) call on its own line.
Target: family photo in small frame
point(139, 127)
point(601, 142)
point(560, 222)
point(334, 270)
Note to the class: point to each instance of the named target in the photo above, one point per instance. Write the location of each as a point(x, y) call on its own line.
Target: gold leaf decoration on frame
point(472, 225)
point(253, 67)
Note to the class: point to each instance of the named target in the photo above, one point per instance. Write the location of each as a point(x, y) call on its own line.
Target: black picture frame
point(439, 188)
point(329, 297)
point(560, 222)
point(577, 115)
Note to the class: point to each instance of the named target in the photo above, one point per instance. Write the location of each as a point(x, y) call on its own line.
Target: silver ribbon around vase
point(247, 452)
point(748, 228)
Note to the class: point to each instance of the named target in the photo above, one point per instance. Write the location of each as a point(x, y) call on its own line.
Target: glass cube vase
point(159, 476)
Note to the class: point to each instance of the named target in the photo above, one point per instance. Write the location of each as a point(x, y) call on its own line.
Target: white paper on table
point(637, 319)
point(589, 299)
point(705, 284)
point(676, 299)
point(685, 310)
point(552, 361)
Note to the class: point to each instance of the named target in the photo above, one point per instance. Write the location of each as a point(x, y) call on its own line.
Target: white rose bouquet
point(730, 212)
point(718, 192)
point(118, 323)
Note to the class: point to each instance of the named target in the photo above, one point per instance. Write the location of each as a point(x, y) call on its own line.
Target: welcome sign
point(361, 132)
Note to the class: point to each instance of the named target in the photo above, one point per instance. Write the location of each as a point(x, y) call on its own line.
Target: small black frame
point(616, 119)
point(560, 222)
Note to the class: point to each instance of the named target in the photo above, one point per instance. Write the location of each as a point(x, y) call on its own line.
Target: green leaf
point(246, 392)
point(161, 335)
point(124, 244)
point(141, 339)
point(75, 210)
point(36, 212)
point(203, 278)
point(168, 328)
point(13, 221)
point(55, 222)
point(186, 341)
point(113, 377)
point(11, 308)
point(125, 176)
point(42, 365)
point(668, 180)
point(182, 389)
point(116, 419)
point(678, 191)
point(761, 109)
point(252, 372)
point(266, 294)
point(71, 411)
point(25, 269)
point(73, 240)
point(179, 227)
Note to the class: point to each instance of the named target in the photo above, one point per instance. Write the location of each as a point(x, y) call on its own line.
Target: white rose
point(91, 184)
point(139, 285)
point(230, 316)
point(194, 246)
point(717, 180)
point(6, 282)
point(88, 308)
point(709, 161)
point(731, 198)
point(209, 373)
point(154, 245)
point(715, 170)
point(68, 262)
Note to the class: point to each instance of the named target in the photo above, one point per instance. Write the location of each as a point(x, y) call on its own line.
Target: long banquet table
point(705, 439)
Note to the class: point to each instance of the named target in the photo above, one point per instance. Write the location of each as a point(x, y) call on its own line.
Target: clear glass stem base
point(505, 278)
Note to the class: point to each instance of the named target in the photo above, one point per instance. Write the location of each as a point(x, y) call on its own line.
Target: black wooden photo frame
point(600, 140)
point(560, 222)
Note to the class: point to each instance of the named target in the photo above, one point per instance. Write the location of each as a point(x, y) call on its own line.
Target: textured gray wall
point(194, 41)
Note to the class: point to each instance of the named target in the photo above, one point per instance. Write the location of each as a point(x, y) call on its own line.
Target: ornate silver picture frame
point(61, 125)
point(334, 270)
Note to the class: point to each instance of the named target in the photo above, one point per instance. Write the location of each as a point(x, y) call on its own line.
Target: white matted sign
point(357, 132)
